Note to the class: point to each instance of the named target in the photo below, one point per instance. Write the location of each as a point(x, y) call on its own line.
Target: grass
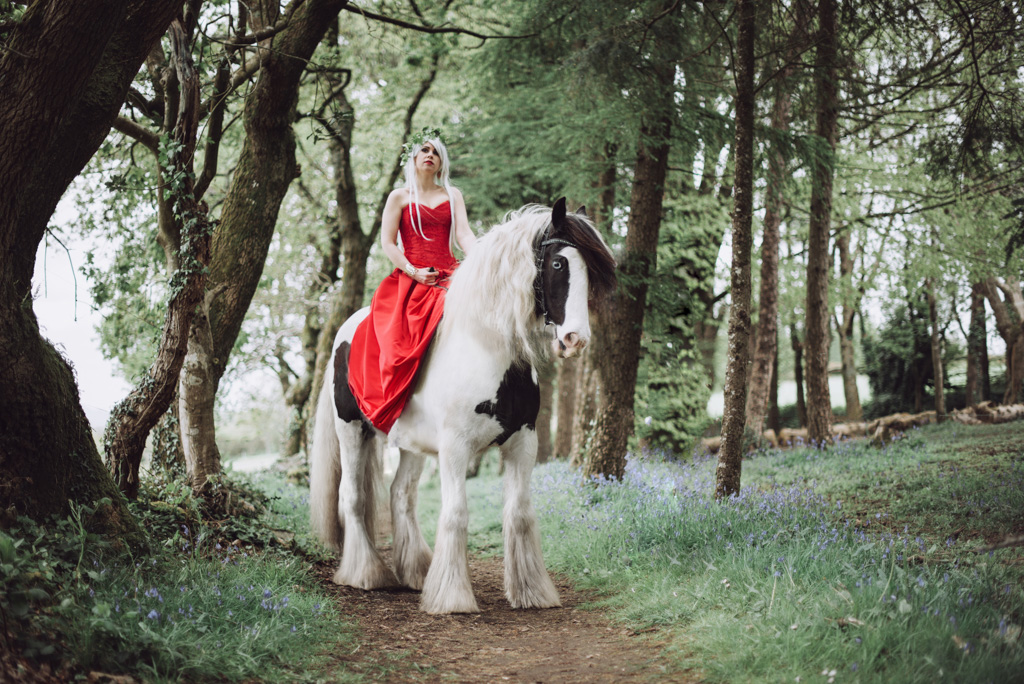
point(217, 599)
point(850, 563)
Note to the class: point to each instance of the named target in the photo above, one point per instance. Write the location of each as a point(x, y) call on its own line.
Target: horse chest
point(516, 402)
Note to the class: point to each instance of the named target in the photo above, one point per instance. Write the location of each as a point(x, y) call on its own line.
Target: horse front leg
point(527, 583)
point(412, 554)
point(447, 588)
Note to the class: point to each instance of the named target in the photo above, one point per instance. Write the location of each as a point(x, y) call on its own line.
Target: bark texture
point(844, 327)
point(265, 169)
point(762, 372)
point(565, 405)
point(585, 389)
point(976, 346)
point(936, 338)
point(730, 456)
point(798, 374)
point(1009, 314)
point(819, 403)
point(546, 378)
point(56, 107)
point(616, 352)
point(134, 417)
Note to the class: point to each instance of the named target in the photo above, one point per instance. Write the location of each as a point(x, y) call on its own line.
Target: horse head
point(574, 268)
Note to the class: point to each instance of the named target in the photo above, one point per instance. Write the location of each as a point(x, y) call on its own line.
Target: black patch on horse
point(517, 403)
point(344, 401)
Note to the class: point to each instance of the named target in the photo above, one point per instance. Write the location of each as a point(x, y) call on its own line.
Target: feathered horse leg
point(361, 564)
point(527, 583)
point(412, 554)
point(447, 588)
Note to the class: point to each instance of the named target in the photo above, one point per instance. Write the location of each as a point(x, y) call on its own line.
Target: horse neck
point(492, 296)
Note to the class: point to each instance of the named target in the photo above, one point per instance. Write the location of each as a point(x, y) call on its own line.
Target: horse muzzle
point(569, 345)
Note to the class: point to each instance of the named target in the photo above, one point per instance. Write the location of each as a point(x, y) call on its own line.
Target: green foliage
point(812, 567)
point(224, 595)
point(898, 359)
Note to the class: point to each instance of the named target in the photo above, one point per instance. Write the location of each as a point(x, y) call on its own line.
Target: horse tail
point(325, 473)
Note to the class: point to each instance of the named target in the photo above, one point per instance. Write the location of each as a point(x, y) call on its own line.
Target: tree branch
point(423, 28)
point(138, 132)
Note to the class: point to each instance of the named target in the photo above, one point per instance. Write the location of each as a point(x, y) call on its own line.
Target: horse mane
point(595, 252)
point(493, 289)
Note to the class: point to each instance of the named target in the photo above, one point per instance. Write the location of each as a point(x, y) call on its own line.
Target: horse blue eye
point(557, 265)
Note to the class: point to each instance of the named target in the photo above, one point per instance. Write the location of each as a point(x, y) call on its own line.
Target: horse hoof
point(376, 578)
point(449, 607)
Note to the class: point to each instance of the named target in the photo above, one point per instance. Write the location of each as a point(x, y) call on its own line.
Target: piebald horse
point(531, 276)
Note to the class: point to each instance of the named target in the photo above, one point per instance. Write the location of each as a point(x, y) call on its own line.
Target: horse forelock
point(595, 252)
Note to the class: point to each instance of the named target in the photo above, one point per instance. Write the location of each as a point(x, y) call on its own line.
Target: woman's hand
point(426, 276)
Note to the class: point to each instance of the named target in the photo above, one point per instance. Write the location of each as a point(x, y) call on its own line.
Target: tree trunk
point(265, 169)
point(56, 107)
point(762, 371)
point(854, 412)
point(1010, 329)
point(730, 455)
point(774, 420)
point(134, 417)
point(798, 372)
point(587, 396)
point(568, 371)
point(546, 377)
point(937, 371)
point(976, 346)
point(616, 351)
point(819, 403)
point(196, 402)
point(581, 426)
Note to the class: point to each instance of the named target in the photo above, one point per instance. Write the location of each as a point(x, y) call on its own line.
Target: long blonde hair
point(443, 178)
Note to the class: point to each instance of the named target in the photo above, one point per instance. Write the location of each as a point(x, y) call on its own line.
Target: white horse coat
point(476, 387)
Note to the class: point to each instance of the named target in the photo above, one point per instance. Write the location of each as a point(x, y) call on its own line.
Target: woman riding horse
point(429, 215)
point(472, 386)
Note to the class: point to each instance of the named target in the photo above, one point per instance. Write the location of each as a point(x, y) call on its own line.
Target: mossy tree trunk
point(976, 347)
point(844, 326)
point(135, 416)
point(938, 373)
point(64, 74)
point(265, 169)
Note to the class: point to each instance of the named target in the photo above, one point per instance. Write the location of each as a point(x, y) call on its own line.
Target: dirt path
point(499, 644)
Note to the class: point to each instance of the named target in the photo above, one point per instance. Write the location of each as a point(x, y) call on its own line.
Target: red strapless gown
point(389, 344)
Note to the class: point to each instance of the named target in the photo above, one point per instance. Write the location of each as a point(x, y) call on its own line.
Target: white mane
point(493, 288)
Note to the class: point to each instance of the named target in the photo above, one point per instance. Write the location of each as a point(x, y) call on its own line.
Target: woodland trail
point(564, 645)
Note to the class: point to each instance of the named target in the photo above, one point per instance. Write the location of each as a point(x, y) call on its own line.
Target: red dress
point(389, 344)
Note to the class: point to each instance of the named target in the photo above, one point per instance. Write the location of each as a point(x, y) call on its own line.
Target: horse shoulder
point(516, 402)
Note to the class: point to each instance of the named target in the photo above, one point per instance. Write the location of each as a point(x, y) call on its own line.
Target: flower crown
point(418, 139)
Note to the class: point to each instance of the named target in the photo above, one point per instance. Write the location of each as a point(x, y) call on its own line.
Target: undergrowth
point(224, 593)
point(849, 563)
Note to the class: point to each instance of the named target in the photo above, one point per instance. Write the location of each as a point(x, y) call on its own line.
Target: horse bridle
point(538, 283)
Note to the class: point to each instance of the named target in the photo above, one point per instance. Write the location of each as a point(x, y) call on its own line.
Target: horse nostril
point(571, 339)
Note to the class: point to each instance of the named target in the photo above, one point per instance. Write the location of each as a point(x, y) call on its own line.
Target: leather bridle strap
point(538, 283)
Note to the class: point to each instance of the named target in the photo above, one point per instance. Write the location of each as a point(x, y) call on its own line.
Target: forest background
point(232, 177)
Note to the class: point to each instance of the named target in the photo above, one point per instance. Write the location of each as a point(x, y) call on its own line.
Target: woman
point(429, 216)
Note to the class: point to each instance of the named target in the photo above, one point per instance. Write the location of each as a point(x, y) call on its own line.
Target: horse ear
point(558, 212)
point(582, 211)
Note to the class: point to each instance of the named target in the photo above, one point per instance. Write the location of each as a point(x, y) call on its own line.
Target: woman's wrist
point(410, 270)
